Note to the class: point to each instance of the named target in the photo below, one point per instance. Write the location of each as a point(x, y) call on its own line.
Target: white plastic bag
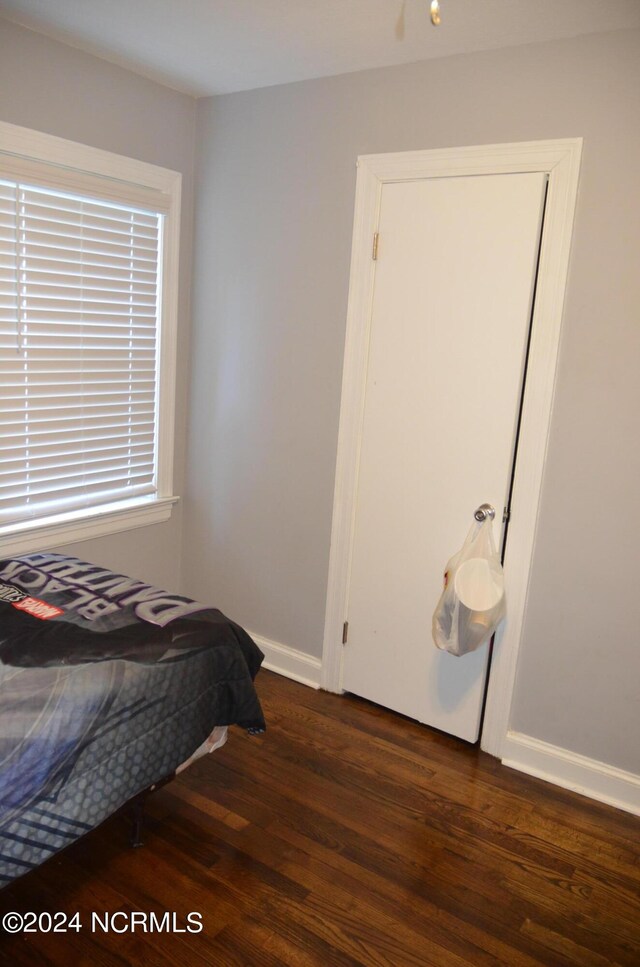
point(472, 604)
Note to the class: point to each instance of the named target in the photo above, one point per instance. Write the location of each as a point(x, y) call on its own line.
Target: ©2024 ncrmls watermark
point(134, 921)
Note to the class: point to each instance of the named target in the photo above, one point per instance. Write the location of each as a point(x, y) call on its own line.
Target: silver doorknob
point(484, 511)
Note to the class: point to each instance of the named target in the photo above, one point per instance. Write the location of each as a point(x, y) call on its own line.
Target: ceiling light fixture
point(435, 13)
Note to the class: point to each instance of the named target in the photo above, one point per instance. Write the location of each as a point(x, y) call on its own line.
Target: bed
point(107, 686)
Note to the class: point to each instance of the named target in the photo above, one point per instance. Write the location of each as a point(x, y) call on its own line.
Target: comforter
point(107, 685)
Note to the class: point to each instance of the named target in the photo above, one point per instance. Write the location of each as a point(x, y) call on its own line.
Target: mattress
point(107, 685)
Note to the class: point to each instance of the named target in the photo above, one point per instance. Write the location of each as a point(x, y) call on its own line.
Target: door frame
point(560, 161)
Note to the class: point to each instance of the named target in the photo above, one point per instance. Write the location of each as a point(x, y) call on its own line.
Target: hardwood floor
point(347, 835)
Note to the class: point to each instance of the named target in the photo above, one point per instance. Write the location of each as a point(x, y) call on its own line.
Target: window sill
point(83, 525)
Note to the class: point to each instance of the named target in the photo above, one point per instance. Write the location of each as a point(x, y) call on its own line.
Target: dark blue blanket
point(106, 686)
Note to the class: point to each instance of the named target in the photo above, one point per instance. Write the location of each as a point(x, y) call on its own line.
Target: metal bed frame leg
point(137, 820)
point(137, 805)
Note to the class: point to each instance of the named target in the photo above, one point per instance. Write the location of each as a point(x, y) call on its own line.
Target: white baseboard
point(591, 778)
point(289, 661)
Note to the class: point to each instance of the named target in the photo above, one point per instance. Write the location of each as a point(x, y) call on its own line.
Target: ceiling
point(205, 47)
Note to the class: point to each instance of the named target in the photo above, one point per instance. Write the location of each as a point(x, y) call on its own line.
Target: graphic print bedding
point(107, 685)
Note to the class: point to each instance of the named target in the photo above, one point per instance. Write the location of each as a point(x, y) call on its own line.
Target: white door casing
point(560, 161)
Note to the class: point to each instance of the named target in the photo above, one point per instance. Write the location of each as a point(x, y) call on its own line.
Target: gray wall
point(276, 178)
point(57, 89)
point(275, 181)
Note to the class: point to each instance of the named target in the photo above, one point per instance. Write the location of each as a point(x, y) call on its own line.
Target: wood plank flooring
point(347, 835)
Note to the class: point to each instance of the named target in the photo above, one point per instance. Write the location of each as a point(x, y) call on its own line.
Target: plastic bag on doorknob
point(472, 604)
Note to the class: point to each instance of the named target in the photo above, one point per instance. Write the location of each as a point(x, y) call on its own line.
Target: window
point(88, 250)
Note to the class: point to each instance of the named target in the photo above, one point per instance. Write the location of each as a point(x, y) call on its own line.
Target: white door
point(454, 282)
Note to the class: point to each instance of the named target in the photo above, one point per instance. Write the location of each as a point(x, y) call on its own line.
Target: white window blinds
point(79, 331)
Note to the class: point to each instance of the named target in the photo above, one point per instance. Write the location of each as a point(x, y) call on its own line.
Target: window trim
point(77, 167)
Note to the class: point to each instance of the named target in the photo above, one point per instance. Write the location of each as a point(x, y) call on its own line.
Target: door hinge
point(345, 632)
point(374, 253)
